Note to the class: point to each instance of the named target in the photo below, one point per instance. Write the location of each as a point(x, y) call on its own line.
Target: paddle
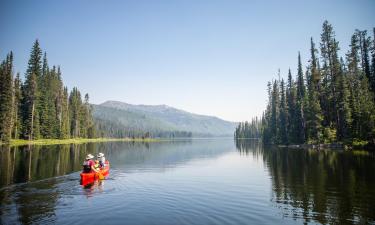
point(100, 175)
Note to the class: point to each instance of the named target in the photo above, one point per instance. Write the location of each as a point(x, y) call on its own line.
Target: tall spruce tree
point(75, 106)
point(354, 76)
point(275, 113)
point(300, 106)
point(343, 111)
point(314, 112)
point(17, 98)
point(31, 106)
point(6, 98)
point(372, 80)
point(291, 94)
point(283, 115)
point(65, 115)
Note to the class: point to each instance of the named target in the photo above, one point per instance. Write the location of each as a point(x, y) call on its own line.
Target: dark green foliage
point(283, 115)
point(75, 103)
point(17, 98)
point(372, 78)
point(300, 110)
point(41, 106)
point(314, 115)
point(6, 98)
point(291, 99)
point(332, 103)
point(249, 130)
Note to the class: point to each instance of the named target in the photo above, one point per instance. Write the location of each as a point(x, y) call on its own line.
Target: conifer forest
point(41, 106)
point(331, 98)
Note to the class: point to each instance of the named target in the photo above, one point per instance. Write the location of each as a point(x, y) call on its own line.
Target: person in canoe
point(101, 159)
point(97, 166)
point(89, 164)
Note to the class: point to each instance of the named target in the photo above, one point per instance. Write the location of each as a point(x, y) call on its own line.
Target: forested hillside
point(330, 100)
point(41, 106)
point(121, 119)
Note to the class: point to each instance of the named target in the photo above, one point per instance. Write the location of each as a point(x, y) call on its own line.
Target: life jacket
point(86, 166)
point(97, 165)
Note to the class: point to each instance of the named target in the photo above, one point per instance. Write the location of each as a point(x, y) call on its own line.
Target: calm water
point(213, 181)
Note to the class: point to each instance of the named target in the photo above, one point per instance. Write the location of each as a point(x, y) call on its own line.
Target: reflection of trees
point(164, 154)
point(30, 163)
point(328, 186)
point(322, 186)
point(249, 146)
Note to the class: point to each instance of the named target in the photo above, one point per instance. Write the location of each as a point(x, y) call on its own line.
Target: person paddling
point(101, 159)
point(88, 164)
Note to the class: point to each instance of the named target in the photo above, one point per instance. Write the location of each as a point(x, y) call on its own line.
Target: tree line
point(106, 128)
point(250, 129)
point(331, 100)
point(41, 107)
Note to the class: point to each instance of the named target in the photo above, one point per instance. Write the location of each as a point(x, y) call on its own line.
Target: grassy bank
point(19, 142)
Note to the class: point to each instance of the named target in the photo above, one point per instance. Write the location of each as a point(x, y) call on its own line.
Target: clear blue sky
point(207, 57)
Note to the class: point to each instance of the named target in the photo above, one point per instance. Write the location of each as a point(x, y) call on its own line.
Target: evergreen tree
point(354, 76)
point(343, 110)
point(75, 104)
point(31, 106)
point(283, 115)
point(17, 108)
point(361, 104)
point(275, 113)
point(292, 102)
point(65, 115)
point(314, 112)
point(372, 80)
point(6, 98)
point(300, 111)
point(364, 42)
point(89, 123)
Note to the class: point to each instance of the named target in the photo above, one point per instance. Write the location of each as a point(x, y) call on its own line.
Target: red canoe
point(87, 178)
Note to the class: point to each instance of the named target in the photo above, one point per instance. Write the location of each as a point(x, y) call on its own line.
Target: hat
point(100, 155)
point(89, 156)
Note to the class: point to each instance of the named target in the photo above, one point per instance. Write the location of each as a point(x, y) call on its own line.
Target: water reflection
point(329, 187)
point(188, 182)
point(31, 163)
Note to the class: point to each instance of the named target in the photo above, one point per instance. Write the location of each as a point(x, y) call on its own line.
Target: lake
point(198, 181)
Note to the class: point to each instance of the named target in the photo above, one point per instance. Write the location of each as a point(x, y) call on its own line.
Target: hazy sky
point(206, 57)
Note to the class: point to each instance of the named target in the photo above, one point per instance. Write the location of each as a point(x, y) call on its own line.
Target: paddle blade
point(101, 177)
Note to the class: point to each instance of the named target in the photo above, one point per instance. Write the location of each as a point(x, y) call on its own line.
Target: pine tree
point(6, 98)
point(75, 104)
point(314, 112)
point(372, 80)
point(361, 104)
point(65, 115)
point(31, 106)
point(300, 111)
point(343, 110)
point(17, 108)
point(283, 115)
point(354, 76)
point(275, 113)
point(291, 94)
point(364, 43)
point(90, 126)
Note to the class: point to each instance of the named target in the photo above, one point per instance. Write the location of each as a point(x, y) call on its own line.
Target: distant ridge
point(161, 118)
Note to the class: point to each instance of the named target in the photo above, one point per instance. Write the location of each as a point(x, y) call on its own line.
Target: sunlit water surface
point(208, 181)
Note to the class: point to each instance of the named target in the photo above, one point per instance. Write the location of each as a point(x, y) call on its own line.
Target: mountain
point(159, 120)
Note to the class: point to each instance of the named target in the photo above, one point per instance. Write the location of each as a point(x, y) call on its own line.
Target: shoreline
point(21, 142)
